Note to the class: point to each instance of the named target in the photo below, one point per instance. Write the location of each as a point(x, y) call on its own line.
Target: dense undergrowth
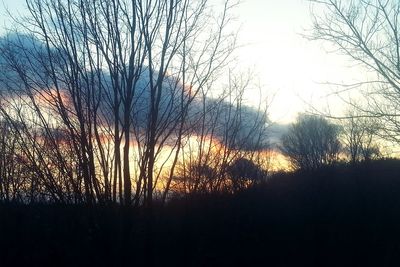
point(340, 216)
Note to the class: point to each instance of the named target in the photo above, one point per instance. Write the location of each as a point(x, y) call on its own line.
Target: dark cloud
point(243, 126)
point(276, 131)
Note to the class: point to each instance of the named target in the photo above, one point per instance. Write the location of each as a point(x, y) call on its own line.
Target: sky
point(290, 69)
point(290, 66)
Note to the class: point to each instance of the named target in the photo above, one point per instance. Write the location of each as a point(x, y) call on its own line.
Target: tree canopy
point(311, 142)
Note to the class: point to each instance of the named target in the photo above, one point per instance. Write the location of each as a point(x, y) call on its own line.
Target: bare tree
point(13, 176)
point(367, 31)
point(311, 143)
point(117, 79)
point(360, 136)
point(225, 131)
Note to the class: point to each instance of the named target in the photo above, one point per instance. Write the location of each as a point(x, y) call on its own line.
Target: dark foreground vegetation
point(341, 216)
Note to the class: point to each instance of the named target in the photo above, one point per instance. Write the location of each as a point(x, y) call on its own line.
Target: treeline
point(345, 215)
point(313, 142)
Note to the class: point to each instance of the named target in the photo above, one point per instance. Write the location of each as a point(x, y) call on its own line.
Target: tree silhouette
point(244, 173)
point(311, 143)
point(359, 136)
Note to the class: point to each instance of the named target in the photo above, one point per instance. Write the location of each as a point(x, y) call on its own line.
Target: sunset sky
point(287, 65)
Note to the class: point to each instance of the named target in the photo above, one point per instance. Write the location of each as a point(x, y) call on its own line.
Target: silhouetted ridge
point(336, 216)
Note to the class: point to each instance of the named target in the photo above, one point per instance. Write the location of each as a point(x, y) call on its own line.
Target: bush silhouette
point(311, 143)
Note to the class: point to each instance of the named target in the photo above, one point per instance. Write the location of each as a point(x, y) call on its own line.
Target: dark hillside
point(342, 216)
